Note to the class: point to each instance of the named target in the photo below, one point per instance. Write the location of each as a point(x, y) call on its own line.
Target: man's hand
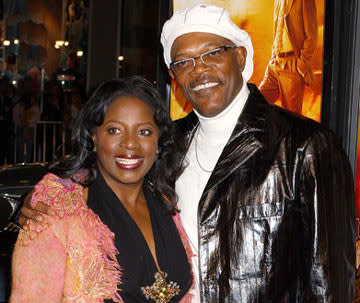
point(305, 72)
point(29, 216)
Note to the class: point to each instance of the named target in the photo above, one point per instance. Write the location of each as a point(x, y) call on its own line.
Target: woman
point(117, 181)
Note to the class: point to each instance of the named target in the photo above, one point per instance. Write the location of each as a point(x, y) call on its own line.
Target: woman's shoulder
point(63, 195)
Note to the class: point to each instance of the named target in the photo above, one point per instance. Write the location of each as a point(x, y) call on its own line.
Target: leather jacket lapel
point(245, 144)
point(187, 126)
point(248, 144)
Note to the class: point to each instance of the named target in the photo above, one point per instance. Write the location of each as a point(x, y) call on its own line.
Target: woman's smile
point(129, 161)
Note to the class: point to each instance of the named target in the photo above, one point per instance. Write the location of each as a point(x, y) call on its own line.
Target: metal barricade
point(45, 142)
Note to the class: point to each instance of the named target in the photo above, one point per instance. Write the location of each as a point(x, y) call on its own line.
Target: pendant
point(161, 291)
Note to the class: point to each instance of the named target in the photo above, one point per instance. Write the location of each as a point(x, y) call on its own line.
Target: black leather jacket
point(277, 217)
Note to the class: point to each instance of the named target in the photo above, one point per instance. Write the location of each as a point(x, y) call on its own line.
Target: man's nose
point(200, 65)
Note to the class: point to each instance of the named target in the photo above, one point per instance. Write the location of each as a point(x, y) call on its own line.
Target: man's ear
point(171, 73)
point(241, 56)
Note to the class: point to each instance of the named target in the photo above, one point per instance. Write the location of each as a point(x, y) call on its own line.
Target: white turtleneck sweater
point(204, 151)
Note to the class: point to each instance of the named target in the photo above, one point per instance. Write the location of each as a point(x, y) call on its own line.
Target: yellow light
point(79, 53)
point(16, 41)
point(56, 46)
point(59, 42)
point(121, 58)
point(66, 43)
point(6, 42)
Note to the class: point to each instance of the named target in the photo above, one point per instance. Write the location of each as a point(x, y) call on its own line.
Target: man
point(266, 197)
point(289, 69)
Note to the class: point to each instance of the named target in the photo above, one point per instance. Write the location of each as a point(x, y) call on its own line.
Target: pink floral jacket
point(71, 259)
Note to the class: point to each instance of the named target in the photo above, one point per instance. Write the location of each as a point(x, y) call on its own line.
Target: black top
point(135, 259)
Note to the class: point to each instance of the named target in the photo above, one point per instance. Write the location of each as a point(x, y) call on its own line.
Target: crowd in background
point(23, 108)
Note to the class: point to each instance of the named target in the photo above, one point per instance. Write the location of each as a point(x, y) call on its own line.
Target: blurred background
point(53, 53)
point(52, 57)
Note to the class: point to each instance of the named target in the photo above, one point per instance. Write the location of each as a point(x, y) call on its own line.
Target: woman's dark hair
point(91, 116)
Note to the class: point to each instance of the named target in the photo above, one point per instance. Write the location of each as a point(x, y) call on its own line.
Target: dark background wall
point(103, 41)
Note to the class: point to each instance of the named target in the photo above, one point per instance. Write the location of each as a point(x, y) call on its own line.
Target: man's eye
point(183, 63)
point(216, 52)
point(145, 132)
point(113, 130)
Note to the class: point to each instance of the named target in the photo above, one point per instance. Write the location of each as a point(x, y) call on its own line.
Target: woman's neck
point(129, 194)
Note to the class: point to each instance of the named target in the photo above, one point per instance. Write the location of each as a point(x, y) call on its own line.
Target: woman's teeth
point(127, 161)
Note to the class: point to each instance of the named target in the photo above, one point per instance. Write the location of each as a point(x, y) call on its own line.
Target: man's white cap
point(206, 19)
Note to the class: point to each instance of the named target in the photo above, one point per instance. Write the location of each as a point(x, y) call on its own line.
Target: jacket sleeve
point(38, 266)
point(310, 28)
point(327, 193)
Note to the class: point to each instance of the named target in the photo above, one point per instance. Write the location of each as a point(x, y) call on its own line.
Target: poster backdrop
point(257, 17)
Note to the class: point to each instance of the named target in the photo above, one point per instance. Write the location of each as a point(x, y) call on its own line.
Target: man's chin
point(208, 111)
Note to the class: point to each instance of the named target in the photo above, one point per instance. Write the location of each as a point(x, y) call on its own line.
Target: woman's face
point(127, 142)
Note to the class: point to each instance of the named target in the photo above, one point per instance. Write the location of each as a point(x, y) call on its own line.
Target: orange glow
point(311, 106)
point(179, 106)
